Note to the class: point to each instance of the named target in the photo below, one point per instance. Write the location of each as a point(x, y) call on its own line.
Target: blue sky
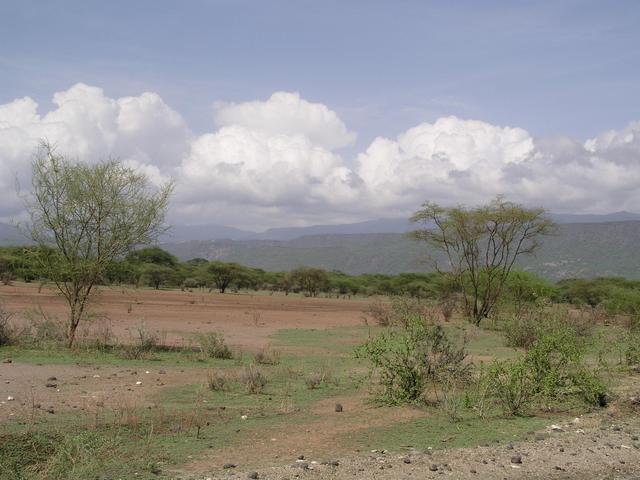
point(553, 68)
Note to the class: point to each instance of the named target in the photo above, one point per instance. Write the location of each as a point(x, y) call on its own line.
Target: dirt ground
point(599, 446)
point(577, 453)
point(246, 320)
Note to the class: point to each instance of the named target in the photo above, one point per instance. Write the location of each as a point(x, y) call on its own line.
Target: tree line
point(153, 267)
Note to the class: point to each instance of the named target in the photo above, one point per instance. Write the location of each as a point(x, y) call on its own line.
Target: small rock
point(51, 385)
point(516, 459)
point(10, 398)
point(510, 446)
point(406, 460)
point(433, 467)
point(50, 410)
point(229, 465)
point(162, 372)
point(334, 463)
point(52, 379)
point(7, 360)
point(300, 457)
point(473, 471)
point(253, 475)
point(338, 407)
point(561, 449)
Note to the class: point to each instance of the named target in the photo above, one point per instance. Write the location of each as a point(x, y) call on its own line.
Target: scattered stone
point(50, 410)
point(7, 360)
point(516, 459)
point(162, 372)
point(229, 465)
point(52, 379)
point(406, 460)
point(338, 407)
point(433, 467)
point(51, 385)
point(510, 446)
point(300, 457)
point(561, 449)
point(473, 471)
point(334, 463)
point(253, 475)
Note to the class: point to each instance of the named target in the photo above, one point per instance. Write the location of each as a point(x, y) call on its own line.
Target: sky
point(289, 113)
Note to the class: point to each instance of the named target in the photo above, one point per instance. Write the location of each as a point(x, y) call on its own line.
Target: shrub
point(267, 356)
point(411, 358)
point(632, 350)
point(7, 331)
point(142, 345)
point(399, 310)
point(218, 381)
point(513, 385)
point(253, 379)
point(522, 330)
point(44, 327)
point(313, 380)
point(212, 345)
point(551, 369)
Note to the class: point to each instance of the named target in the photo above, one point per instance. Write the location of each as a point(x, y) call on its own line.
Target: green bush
point(212, 345)
point(513, 384)
point(409, 359)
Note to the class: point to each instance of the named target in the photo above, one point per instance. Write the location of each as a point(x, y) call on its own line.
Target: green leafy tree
point(223, 274)
point(481, 245)
point(311, 280)
point(154, 255)
point(89, 215)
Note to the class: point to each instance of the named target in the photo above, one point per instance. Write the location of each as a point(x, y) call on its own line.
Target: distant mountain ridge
point(581, 250)
point(181, 233)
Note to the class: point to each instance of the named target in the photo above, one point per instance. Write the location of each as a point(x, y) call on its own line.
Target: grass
point(437, 432)
point(192, 419)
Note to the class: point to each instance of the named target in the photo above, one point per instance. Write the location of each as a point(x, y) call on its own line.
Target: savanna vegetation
point(477, 351)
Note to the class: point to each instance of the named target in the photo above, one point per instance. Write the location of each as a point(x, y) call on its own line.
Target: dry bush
point(322, 377)
point(44, 327)
point(7, 330)
point(212, 345)
point(144, 343)
point(253, 379)
point(219, 381)
point(399, 310)
point(380, 312)
point(267, 356)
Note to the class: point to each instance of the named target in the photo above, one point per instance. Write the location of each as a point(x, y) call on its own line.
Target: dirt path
point(593, 448)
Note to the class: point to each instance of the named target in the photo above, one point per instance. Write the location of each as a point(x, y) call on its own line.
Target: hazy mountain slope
point(577, 250)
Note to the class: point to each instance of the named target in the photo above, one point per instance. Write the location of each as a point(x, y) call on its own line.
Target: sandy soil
point(246, 320)
point(598, 447)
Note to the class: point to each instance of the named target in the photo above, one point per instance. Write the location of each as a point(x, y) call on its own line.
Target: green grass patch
point(438, 432)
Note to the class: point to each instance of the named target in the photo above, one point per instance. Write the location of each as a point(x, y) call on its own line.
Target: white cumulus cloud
point(288, 114)
point(277, 162)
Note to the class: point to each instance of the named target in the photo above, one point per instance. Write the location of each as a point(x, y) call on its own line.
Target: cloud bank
point(278, 162)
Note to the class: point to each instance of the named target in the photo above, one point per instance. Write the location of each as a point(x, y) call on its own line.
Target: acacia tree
point(311, 280)
point(88, 216)
point(481, 245)
point(223, 274)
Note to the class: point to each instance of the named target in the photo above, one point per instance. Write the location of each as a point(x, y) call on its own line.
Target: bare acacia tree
point(481, 245)
point(84, 217)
